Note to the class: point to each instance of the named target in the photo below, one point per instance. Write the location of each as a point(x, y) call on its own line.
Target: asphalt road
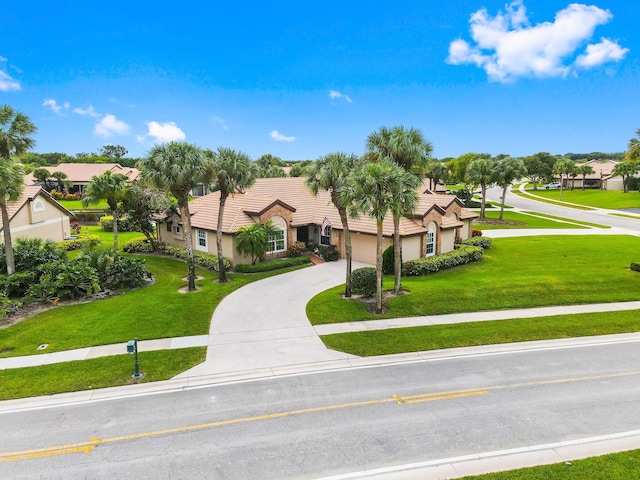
point(598, 216)
point(324, 424)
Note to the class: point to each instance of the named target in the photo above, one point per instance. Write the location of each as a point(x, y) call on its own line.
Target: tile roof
point(29, 194)
point(83, 172)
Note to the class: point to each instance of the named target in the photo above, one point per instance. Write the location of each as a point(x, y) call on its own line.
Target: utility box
point(131, 346)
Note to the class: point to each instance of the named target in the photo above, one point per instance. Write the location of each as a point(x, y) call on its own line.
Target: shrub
point(8, 306)
point(32, 253)
point(388, 260)
point(17, 285)
point(75, 227)
point(78, 243)
point(483, 242)
point(115, 271)
point(296, 249)
point(57, 195)
point(205, 260)
point(461, 255)
point(363, 281)
point(328, 252)
point(106, 224)
point(476, 233)
point(139, 245)
point(270, 265)
point(635, 267)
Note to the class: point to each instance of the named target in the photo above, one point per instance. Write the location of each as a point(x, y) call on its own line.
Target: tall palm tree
point(60, 177)
point(508, 170)
point(231, 171)
point(42, 175)
point(584, 170)
point(11, 186)
point(633, 152)
point(374, 189)
point(178, 167)
point(564, 167)
point(626, 170)
point(16, 133)
point(109, 187)
point(481, 172)
point(410, 150)
point(435, 171)
point(330, 173)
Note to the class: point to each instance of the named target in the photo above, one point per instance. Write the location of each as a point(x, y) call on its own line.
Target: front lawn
point(155, 311)
point(523, 221)
point(74, 205)
point(516, 273)
point(107, 237)
point(613, 199)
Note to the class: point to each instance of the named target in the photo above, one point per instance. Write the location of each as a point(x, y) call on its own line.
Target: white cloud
point(507, 46)
point(89, 111)
point(7, 83)
point(599, 53)
point(165, 132)
point(333, 94)
point(109, 125)
point(277, 136)
point(57, 109)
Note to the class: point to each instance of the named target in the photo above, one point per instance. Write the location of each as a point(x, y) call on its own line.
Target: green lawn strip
point(436, 337)
point(517, 272)
point(75, 205)
point(634, 217)
point(155, 311)
point(612, 199)
point(528, 221)
point(618, 466)
point(96, 373)
point(107, 237)
point(538, 198)
point(579, 222)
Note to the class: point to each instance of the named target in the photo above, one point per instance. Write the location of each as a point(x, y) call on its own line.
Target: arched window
point(431, 239)
point(37, 206)
point(277, 241)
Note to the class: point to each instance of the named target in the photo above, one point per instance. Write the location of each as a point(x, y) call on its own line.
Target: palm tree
point(178, 167)
point(410, 150)
point(435, 171)
point(231, 171)
point(374, 189)
point(626, 170)
point(563, 167)
point(584, 170)
point(11, 186)
point(251, 241)
point(16, 132)
point(508, 170)
point(633, 152)
point(481, 172)
point(330, 173)
point(42, 176)
point(111, 188)
point(60, 177)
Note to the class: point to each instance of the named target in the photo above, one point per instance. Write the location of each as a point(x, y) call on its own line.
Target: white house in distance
point(80, 174)
point(36, 215)
point(439, 220)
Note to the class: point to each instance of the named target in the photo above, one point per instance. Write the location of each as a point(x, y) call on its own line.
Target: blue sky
point(303, 79)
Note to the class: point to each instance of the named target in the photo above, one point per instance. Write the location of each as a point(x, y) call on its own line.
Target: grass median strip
point(101, 372)
point(436, 337)
point(519, 220)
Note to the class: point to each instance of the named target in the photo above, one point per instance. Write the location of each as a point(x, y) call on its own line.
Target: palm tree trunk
point(8, 246)
point(504, 196)
point(348, 250)
point(188, 241)
point(379, 268)
point(397, 257)
point(483, 188)
point(115, 229)
point(222, 275)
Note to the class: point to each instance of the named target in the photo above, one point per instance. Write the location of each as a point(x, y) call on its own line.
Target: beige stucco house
point(439, 220)
point(36, 215)
point(79, 175)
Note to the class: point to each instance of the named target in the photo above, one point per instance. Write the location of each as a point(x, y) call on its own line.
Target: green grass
point(613, 199)
point(615, 466)
point(155, 311)
point(107, 237)
point(436, 337)
point(525, 221)
point(579, 222)
point(634, 217)
point(77, 205)
point(547, 200)
point(96, 373)
point(516, 273)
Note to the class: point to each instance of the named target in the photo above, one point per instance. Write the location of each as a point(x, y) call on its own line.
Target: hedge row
point(89, 241)
point(124, 225)
point(479, 241)
point(203, 259)
point(461, 255)
point(274, 264)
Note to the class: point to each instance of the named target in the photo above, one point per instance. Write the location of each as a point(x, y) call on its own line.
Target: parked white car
point(552, 186)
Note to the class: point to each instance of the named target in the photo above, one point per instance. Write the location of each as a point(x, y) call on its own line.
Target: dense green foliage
point(460, 256)
point(363, 280)
point(270, 265)
point(203, 259)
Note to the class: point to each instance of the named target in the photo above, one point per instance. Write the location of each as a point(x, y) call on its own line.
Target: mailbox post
point(132, 347)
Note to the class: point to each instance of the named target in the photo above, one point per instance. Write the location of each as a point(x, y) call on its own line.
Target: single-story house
point(602, 178)
point(36, 215)
point(438, 221)
point(79, 175)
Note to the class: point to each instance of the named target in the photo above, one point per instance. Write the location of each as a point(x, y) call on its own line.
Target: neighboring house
point(79, 174)
point(36, 215)
point(602, 178)
point(439, 220)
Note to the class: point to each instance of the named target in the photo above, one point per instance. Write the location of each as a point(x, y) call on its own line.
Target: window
point(38, 206)
point(431, 240)
point(169, 229)
point(202, 238)
point(177, 230)
point(277, 239)
point(326, 238)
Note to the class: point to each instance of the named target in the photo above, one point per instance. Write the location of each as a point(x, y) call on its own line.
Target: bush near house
point(270, 265)
point(363, 281)
point(106, 223)
point(203, 259)
point(461, 255)
point(296, 249)
point(78, 243)
point(329, 253)
point(484, 243)
point(388, 260)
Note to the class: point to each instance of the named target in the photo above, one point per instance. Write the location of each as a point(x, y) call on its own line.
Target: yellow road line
point(87, 447)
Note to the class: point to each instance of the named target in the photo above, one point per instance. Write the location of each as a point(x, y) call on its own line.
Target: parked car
point(552, 186)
